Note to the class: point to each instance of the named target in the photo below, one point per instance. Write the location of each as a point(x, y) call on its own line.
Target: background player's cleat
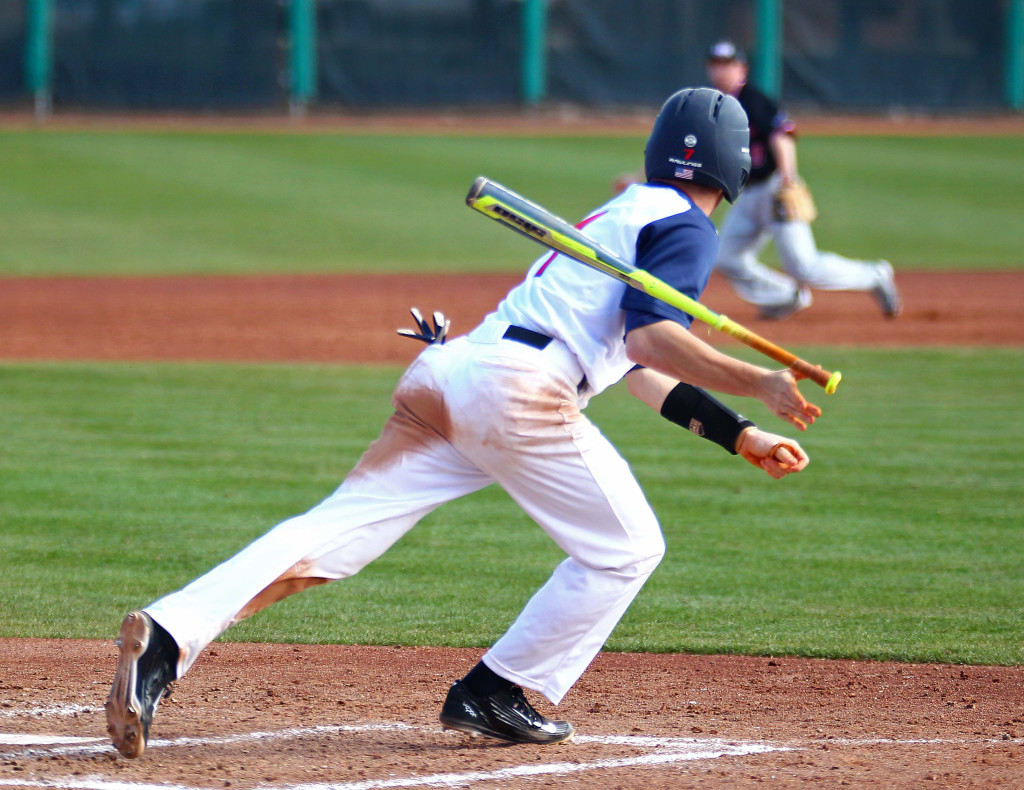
point(886, 292)
point(505, 715)
point(801, 301)
point(145, 668)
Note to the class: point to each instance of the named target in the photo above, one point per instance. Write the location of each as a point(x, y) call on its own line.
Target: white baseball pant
point(751, 223)
point(477, 410)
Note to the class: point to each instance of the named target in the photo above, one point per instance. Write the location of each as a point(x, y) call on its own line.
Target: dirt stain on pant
point(420, 420)
point(301, 576)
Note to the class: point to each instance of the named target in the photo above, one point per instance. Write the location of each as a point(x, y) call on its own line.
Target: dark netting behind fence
point(863, 54)
point(604, 51)
point(419, 52)
point(941, 54)
point(209, 54)
point(12, 52)
point(194, 54)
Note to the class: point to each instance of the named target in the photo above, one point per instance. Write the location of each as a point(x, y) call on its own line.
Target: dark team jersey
point(766, 118)
point(679, 250)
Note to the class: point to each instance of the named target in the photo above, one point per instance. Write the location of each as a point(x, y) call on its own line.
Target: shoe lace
point(520, 703)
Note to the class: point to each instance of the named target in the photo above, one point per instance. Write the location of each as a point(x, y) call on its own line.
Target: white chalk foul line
point(698, 751)
point(20, 739)
point(670, 750)
point(90, 783)
point(637, 741)
point(544, 769)
point(666, 751)
point(49, 710)
point(216, 740)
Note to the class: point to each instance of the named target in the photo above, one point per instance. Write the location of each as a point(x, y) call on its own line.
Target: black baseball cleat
point(145, 668)
point(505, 715)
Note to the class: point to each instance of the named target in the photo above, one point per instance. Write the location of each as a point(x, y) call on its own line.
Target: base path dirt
point(329, 717)
point(350, 318)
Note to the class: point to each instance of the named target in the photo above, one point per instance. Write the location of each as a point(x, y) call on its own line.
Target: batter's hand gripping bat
point(501, 203)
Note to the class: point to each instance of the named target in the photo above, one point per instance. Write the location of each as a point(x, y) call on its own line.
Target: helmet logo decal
point(697, 138)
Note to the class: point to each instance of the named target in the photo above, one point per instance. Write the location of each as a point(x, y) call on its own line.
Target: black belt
point(520, 334)
point(526, 336)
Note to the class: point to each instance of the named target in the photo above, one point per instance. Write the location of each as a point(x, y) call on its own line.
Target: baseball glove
point(793, 203)
point(436, 334)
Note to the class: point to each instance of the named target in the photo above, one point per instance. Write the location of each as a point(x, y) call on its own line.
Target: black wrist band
point(695, 410)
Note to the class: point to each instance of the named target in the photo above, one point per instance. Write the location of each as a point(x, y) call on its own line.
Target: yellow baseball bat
point(536, 222)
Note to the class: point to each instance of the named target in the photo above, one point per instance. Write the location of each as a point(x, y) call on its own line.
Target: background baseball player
point(503, 404)
point(776, 205)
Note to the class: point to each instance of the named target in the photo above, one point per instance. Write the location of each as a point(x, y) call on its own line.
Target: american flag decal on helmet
point(686, 173)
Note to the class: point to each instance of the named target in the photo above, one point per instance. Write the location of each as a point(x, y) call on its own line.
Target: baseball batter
point(504, 405)
point(776, 205)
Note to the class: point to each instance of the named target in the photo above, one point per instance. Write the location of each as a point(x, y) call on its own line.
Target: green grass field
point(152, 203)
point(121, 482)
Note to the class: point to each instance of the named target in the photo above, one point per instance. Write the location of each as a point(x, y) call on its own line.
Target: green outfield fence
point(931, 55)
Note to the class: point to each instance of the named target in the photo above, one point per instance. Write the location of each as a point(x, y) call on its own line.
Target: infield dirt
point(352, 318)
point(276, 716)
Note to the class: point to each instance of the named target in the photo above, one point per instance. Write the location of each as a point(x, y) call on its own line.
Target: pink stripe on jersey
point(579, 226)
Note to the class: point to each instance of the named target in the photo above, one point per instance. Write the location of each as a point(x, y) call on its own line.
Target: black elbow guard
point(695, 410)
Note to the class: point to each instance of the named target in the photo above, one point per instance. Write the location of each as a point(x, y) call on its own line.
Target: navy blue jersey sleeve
point(679, 250)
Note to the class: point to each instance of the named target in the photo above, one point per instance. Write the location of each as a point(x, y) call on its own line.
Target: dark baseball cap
point(726, 51)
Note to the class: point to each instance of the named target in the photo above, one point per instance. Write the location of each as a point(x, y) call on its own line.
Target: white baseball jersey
point(581, 306)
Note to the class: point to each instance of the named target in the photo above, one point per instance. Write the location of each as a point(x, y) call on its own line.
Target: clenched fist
point(777, 455)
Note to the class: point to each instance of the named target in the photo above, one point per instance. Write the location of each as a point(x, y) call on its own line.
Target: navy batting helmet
point(700, 135)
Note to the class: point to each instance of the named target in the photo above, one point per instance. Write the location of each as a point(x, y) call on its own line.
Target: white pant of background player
point(477, 410)
point(751, 223)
